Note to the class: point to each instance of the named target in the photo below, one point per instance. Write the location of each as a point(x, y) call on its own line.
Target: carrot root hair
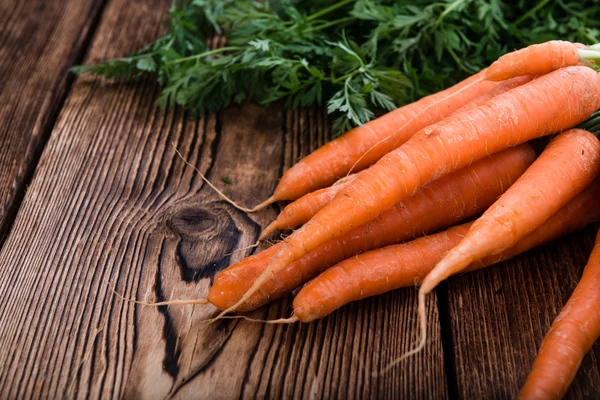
point(282, 321)
point(290, 320)
point(252, 246)
point(267, 231)
point(261, 280)
point(161, 303)
point(219, 192)
point(264, 204)
point(422, 317)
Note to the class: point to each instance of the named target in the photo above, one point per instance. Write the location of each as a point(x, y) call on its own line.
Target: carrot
point(551, 103)
point(440, 204)
point(535, 60)
point(402, 265)
point(333, 160)
point(303, 209)
point(567, 166)
point(502, 87)
point(571, 336)
point(577, 214)
point(372, 273)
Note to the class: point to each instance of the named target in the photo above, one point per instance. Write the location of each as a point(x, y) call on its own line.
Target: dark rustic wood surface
point(111, 204)
point(39, 40)
point(499, 316)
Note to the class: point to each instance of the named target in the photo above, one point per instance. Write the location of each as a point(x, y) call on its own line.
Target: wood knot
point(208, 234)
point(200, 222)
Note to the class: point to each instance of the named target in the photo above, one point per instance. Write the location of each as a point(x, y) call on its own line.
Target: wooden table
point(92, 194)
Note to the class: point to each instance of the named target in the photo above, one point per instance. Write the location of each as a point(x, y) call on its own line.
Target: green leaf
point(260, 44)
point(382, 100)
point(359, 57)
point(146, 64)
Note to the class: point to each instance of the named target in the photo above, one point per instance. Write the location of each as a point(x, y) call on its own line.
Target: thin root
point(262, 205)
point(220, 193)
point(268, 231)
point(257, 284)
point(162, 303)
point(421, 343)
point(245, 248)
point(290, 320)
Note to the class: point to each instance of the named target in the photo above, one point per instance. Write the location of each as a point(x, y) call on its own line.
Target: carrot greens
point(359, 57)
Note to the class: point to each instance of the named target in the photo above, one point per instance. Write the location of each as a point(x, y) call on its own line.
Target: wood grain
point(39, 41)
point(112, 204)
point(500, 315)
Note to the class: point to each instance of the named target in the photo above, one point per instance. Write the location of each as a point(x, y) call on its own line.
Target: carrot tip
point(290, 320)
point(422, 341)
point(267, 231)
point(256, 244)
point(162, 303)
point(219, 192)
point(262, 205)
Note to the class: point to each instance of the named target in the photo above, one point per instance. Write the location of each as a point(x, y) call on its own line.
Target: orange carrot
point(402, 265)
point(549, 104)
point(571, 336)
point(440, 204)
point(567, 166)
point(535, 60)
point(372, 273)
point(303, 209)
point(580, 212)
point(502, 87)
point(333, 160)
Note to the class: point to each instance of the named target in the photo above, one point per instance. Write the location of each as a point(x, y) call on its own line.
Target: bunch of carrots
point(381, 207)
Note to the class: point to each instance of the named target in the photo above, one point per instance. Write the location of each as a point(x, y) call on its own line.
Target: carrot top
point(590, 56)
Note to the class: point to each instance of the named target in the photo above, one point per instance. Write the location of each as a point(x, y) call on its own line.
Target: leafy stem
point(330, 24)
point(206, 54)
point(448, 10)
point(360, 57)
point(328, 10)
point(531, 12)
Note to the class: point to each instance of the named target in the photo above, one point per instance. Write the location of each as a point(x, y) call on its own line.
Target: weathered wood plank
point(499, 317)
point(39, 41)
point(112, 204)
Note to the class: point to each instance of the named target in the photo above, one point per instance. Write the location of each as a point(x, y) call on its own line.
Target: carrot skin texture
point(372, 273)
point(571, 336)
point(502, 87)
point(568, 165)
point(538, 108)
point(577, 214)
point(303, 209)
point(402, 265)
point(334, 160)
point(535, 59)
point(440, 204)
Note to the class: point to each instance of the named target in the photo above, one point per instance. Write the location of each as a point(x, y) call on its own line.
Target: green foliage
point(360, 57)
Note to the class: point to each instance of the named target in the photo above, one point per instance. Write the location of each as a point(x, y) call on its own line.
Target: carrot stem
point(205, 54)
point(328, 9)
point(592, 124)
point(589, 54)
point(531, 11)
